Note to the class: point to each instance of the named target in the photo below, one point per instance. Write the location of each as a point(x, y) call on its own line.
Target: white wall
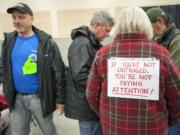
point(81, 4)
point(52, 15)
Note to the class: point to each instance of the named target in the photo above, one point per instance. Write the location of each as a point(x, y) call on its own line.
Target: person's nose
point(16, 20)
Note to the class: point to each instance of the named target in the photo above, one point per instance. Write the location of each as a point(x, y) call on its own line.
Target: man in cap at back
point(166, 34)
point(32, 74)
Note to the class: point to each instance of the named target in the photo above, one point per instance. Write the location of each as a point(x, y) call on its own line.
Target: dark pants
point(6, 131)
point(90, 128)
point(175, 129)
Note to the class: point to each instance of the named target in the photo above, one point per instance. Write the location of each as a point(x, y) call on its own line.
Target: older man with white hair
point(118, 89)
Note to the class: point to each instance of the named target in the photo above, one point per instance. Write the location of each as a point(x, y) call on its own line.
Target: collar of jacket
point(167, 32)
point(168, 35)
point(130, 36)
point(43, 36)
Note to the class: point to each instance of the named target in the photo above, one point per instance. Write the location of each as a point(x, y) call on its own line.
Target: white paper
point(135, 78)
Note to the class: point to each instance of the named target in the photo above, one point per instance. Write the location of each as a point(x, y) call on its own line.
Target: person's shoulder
point(160, 51)
point(158, 47)
point(81, 41)
point(81, 38)
point(175, 43)
point(175, 39)
point(10, 34)
point(106, 48)
point(41, 34)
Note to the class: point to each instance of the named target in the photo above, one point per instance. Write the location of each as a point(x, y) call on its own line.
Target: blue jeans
point(20, 117)
point(175, 129)
point(90, 128)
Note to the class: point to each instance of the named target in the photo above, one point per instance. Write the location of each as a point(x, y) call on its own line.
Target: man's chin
point(20, 30)
point(101, 40)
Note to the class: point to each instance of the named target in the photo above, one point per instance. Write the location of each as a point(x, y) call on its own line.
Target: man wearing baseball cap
point(33, 74)
point(166, 34)
point(22, 7)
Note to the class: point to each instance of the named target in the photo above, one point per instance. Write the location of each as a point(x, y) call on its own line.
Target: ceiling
point(80, 4)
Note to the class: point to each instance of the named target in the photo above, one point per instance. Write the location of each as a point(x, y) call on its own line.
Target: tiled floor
point(64, 126)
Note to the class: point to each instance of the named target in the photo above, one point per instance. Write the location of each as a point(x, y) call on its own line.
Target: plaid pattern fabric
point(3, 103)
point(120, 116)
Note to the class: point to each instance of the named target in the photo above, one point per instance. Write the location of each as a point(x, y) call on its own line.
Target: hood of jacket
point(43, 36)
point(85, 31)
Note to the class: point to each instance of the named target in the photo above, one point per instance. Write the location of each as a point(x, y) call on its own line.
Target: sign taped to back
point(135, 78)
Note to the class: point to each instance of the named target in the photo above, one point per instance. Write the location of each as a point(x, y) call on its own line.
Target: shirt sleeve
point(58, 69)
point(174, 49)
point(172, 86)
point(80, 61)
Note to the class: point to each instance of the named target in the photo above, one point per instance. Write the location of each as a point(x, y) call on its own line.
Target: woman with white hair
point(118, 89)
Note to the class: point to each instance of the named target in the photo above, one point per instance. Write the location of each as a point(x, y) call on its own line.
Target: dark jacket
point(171, 40)
point(50, 71)
point(168, 36)
point(80, 55)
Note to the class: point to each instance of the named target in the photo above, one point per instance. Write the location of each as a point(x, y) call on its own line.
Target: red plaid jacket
point(120, 116)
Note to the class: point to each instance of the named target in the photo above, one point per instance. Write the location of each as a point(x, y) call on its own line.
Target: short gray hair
point(102, 17)
point(134, 20)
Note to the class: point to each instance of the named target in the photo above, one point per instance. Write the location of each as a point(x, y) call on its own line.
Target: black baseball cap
point(22, 7)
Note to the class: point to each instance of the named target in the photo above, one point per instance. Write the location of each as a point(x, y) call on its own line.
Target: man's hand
point(60, 107)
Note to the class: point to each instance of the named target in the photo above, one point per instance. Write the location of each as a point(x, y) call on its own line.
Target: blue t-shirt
point(24, 53)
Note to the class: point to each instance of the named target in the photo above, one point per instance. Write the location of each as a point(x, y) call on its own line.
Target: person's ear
point(96, 25)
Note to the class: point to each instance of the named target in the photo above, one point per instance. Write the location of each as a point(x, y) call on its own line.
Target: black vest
point(168, 36)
